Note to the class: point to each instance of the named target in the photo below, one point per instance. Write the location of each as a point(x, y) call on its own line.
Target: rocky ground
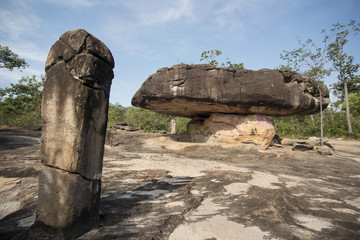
point(156, 188)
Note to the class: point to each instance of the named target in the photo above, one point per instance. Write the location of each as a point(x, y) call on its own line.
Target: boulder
point(232, 129)
point(202, 89)
point(303, 146)
point(324, 150)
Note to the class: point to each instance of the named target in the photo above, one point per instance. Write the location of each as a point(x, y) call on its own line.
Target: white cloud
point(30, 51)
point(158, 12)
point(72, 3)
point(16, 23)
point(253, 7)
point(244, 15)
point(7, 77)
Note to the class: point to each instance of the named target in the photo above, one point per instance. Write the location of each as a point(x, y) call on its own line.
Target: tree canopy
point(20, 104)
point(342, 62)
point(10, 60)
point(211, 55)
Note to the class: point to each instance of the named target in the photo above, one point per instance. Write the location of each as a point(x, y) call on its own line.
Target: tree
point(354, 104)
point(11, 60)
point(342, 62)
point(20, 104)
point(310, 59)
point(116, 114)
point(211, 55)
point(353, 86)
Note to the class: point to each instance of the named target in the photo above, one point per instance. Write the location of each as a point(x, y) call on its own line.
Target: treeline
point(20, 105)
point(144, 119)
point(335, 125)
point(302, 126)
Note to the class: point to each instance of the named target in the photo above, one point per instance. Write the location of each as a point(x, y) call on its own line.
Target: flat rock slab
point(191, 90)
point(151, 190)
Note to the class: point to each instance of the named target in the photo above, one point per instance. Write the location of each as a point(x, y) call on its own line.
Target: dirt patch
point(155, 188)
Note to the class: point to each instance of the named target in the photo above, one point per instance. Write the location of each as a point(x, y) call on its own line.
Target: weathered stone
point(327, 143)
point(303, 146)
point(199, 90)
point(233, 129)
point(74, 111)
point(78, 41)
point(287, 141)
point(67, 199)
point(324, 150)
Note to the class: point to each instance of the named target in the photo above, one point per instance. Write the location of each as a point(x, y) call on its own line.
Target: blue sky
point(145, 35)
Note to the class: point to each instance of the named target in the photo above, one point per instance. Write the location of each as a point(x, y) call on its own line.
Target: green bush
point(181, 124)
point(116, 114)
point(147, 120)
point(20, 104)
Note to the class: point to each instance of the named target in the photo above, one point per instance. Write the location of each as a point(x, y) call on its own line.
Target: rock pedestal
point(74, 111)
point(232, 129)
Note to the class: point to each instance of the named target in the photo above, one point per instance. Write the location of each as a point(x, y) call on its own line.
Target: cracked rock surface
point(157, 188)
point(74, 112)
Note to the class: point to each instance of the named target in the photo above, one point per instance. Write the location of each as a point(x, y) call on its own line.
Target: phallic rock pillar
point(74, 111)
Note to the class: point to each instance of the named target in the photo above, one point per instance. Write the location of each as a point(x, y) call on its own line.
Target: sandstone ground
point(156, 188)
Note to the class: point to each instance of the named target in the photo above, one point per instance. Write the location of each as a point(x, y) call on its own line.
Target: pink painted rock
point(233, 129)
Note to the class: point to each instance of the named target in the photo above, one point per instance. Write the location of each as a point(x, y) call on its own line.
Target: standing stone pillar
point(74, 111)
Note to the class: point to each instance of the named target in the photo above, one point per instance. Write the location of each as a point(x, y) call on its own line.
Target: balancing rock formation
point(218, 100)
point(74, 110)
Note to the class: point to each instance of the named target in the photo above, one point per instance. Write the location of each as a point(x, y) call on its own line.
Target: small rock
point(120, 125)
point(329, 145)
point(324, 150)
point(131, 129)
point(313, 141)
point(287, 141)
point(302, 146)
point(35, 128)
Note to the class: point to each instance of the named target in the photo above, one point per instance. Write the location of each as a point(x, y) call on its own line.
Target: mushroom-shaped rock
point(200, 91)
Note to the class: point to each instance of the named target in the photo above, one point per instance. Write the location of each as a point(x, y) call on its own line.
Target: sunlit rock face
point(193, 90)
point(199, 91)
point(74, 111)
